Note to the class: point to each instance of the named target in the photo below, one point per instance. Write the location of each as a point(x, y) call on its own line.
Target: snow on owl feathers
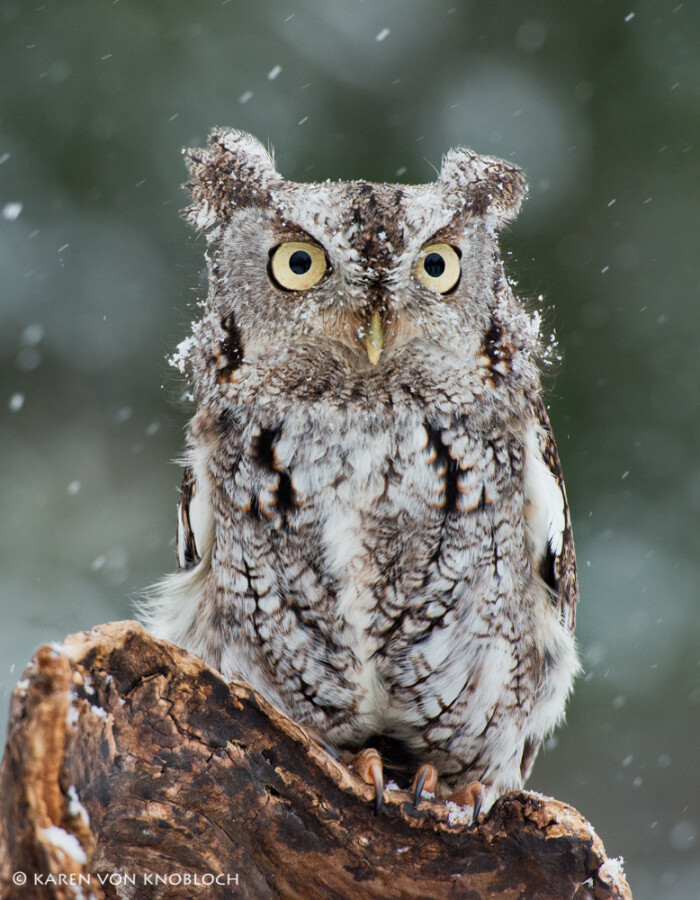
point(373, 530)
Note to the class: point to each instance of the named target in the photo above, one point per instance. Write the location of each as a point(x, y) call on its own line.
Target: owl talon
point(477, 793)
point(472, 795)
point(426, 779)
point(368, 765)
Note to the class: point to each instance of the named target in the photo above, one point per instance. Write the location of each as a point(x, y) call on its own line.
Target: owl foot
point(426, 779)
point(471, 794)
point(368, 765)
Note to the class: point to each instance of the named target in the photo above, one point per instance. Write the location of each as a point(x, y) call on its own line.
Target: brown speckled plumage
point(383, 550)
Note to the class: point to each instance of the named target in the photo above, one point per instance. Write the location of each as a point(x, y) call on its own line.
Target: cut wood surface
point(132, 770)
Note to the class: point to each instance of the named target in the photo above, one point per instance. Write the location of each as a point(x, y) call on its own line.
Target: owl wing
point(194, 521)
point(548, 534)
point(549, 537)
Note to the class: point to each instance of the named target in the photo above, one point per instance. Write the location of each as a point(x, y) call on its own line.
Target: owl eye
point(297, 266)
point(438, 267)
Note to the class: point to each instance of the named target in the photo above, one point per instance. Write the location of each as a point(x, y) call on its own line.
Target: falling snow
point(683, 835)
point(32, 335)
point(11, 211)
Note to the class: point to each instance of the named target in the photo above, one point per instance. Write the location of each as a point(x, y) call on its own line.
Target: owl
point(373, 530)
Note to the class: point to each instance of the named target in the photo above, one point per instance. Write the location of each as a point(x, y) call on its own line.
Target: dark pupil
point(300, 262)
point(434, 265)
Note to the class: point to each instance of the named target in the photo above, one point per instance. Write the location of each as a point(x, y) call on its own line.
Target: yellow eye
point(298, 266)
point(438, 267)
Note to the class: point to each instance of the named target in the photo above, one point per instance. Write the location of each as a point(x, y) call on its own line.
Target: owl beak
point(374, 340)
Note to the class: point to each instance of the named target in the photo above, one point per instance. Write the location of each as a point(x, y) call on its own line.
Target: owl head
point(335, 283)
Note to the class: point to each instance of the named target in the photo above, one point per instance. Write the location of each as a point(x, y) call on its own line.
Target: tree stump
point(132, 770)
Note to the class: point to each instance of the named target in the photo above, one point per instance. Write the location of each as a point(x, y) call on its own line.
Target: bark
point(132, 770)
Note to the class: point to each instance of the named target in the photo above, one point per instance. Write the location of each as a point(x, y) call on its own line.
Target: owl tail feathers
point(171, 608)
point(234, 171)
point(487, 187)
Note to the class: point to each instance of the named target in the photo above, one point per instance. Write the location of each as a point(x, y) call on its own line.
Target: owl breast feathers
point(373, 530)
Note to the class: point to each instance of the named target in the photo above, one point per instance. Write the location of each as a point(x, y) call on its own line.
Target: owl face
point(348, 276)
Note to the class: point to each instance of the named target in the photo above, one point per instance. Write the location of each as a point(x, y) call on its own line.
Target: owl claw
point(426, 778)
point(477, 792)
point(472, 795)
point(368, 765)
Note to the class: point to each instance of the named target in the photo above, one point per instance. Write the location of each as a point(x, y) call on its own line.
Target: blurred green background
point(598, 101)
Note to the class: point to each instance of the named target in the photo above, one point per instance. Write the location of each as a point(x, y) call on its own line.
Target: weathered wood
point(132, 763)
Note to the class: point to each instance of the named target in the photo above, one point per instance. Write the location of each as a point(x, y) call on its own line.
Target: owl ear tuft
point(489, 187)
point(233, 172)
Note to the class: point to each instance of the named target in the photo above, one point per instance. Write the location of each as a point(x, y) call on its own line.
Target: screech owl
point(373, 530)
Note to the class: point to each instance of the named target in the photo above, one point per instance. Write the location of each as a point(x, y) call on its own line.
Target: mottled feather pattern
point(382, 544)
